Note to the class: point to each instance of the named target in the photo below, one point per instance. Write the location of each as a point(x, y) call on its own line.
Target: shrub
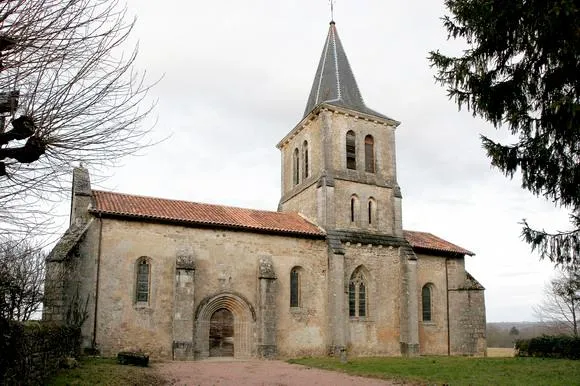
point(560, 346)
point(30, 352)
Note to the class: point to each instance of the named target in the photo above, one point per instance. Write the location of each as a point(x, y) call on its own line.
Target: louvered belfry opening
point(351, 150)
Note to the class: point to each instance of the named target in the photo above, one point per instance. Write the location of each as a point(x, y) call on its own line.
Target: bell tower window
point(296, 162)
point(305, 159)
point(354, 209)
point(369, 154)
point(350, 150)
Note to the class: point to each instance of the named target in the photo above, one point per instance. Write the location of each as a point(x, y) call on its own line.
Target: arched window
point(371, 208)
point(295, 287)
point(350, 150)
point(369, 154)
point(354, 209)
point(296, 173)
point(142, 287)
point(357, 295)
point(305, 165)
point(426, 304)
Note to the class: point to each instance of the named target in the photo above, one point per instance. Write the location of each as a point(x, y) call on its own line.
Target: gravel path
point(255, 372)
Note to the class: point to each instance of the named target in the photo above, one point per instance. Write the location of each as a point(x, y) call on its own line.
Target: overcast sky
point(236, 77)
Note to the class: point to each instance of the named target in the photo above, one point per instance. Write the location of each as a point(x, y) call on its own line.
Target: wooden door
point(221, 334)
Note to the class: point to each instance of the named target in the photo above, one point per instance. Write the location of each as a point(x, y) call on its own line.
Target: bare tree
point(561, 305)
point(21, 279)
point(68, 93)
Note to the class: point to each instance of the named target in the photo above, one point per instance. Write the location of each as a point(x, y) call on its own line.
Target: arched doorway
point(224, 326)
point(221, 334)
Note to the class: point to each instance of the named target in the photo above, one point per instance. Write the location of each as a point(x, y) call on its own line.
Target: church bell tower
point(338, 162)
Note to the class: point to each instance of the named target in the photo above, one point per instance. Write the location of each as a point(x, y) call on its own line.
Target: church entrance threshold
point(221, 334)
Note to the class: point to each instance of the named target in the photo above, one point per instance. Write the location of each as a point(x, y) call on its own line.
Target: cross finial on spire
point(331, 10)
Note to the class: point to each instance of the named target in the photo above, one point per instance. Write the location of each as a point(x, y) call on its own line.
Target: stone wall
point(467, 318)
point(458, 307)
point(70, 280)
point(311, 132)
point(304, 201)
point(225, 274)
point(385, 166)
point(382, 216)
point(335, 183)
point(433, 334)
point(378, 333)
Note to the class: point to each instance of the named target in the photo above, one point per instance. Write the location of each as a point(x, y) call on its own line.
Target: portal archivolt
point(224, 327)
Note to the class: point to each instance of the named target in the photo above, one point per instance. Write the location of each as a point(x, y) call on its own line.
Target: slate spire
point(334, 82)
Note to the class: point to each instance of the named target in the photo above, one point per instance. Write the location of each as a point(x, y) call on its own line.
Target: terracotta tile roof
point(427, 241)
point(184, 212)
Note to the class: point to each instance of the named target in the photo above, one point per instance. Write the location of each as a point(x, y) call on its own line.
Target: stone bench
point(133, 358)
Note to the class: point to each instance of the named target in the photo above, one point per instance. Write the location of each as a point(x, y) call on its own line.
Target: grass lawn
point(458, 370)
point(106, 371)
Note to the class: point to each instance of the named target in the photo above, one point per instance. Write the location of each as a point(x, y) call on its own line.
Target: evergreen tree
point(521, 72)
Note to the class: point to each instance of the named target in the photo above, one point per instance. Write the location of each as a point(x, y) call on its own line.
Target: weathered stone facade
point(204, 280)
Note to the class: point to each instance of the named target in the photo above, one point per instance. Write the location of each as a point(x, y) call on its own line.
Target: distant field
point(499, 352)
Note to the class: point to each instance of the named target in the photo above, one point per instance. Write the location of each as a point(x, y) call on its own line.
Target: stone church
point(331, 271)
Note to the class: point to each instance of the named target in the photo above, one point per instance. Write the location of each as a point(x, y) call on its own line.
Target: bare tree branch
point(561, 303)
point(68, 94)
point(21, 279)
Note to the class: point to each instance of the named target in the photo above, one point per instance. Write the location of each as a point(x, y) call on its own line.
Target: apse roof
point(430, 242)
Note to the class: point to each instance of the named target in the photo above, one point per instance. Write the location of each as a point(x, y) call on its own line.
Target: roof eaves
point(301, 125)
point(372, 117)
point(68, 241)
point(205, 224)
point(461, 252)
point(379, 118)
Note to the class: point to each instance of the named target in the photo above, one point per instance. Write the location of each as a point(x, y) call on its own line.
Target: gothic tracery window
point(357, 295)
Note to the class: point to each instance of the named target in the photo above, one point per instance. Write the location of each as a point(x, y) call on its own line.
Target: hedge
point(32, 352)
point(560, 346)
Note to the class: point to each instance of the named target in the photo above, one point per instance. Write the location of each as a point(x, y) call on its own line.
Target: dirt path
point(255, 372)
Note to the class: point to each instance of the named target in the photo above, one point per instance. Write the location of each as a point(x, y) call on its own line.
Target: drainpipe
point(447, 293)
point(94, 343)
